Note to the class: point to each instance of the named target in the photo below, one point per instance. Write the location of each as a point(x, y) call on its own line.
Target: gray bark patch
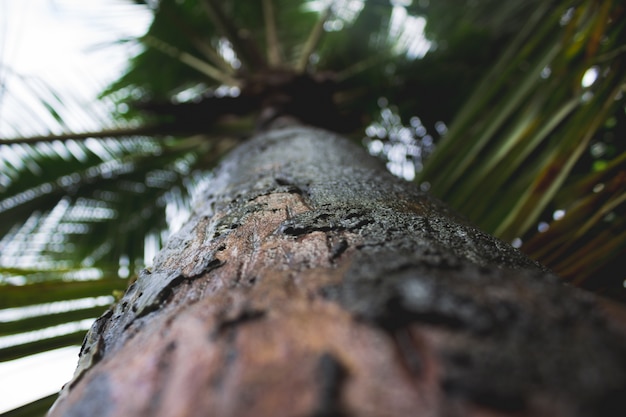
point(513, 332)
point(96, 399)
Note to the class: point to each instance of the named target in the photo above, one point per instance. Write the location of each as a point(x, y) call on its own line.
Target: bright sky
point(27, 379)
point(66, 45)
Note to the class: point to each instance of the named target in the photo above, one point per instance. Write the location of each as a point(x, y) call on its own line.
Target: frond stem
point(192, 61)
point(271, 34)
point(204, 47)
point(245, 48)
point(99, 134)
point(314, 38)
point(360, 66)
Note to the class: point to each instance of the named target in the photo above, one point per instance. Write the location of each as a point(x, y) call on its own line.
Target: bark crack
point(247, 315)
point(331, 375)
point(325, 220)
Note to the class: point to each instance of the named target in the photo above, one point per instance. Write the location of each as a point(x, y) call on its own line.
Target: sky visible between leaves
point(66, 45)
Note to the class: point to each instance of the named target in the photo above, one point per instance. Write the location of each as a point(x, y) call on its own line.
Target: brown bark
point(310, 282)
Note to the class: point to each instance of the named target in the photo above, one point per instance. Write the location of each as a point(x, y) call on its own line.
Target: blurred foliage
point(536, 155)
point(534, 151)
point(36, 408)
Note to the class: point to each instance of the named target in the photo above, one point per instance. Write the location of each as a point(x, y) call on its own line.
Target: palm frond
point(274, 49)
point(36, 408)
point(53, 309)
point(515, 144)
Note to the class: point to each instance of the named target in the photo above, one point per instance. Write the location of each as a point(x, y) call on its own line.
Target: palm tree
point(226, 70)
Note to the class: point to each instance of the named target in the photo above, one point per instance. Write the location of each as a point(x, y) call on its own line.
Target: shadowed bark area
point(310, 282)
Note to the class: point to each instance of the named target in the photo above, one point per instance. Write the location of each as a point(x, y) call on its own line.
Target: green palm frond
point(80, 210)
point(77, 213)
point(101, 193)
point(35, 408)
point(520, 139)
point(36, 328)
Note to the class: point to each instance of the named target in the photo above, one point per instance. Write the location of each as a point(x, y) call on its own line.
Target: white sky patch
point(225, 49)
point(37, 310)
point(558, 214)
point(405, 31)
point(590, 77)
point(47, 333)
point(27, 379)
point(151, 246)
point(61, 49)
point(344, 10)
point(408, 32)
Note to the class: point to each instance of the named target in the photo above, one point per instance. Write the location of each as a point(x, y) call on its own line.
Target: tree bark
point(310, 282)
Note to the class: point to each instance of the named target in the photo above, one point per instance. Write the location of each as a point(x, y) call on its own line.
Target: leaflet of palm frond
point(240, 37)
point(79, 163)
point(519, 130)
point(591, 216)
point(82, 225)
point(60, 286)
point(493, 15)
point(494, 99)
point(562, 158)
point(173, 13)
point(597, 255)
point(34, 409)
point(48, 320)
point(294, 22)
point(524, 138)
point(75, 225)
point(594, 181)
point(37, 317)
point(274, 49)
point(466, 43)
point(38, 109)
point(173, 77)
point(32, 348)
point(147, 130)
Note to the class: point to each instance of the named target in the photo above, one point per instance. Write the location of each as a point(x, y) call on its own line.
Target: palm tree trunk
point(310, 282)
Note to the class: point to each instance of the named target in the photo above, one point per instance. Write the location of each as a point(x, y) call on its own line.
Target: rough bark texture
point(310, 282)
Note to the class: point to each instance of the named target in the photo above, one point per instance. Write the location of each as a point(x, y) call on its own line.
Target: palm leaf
point(523, 135)
point(35, 408)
